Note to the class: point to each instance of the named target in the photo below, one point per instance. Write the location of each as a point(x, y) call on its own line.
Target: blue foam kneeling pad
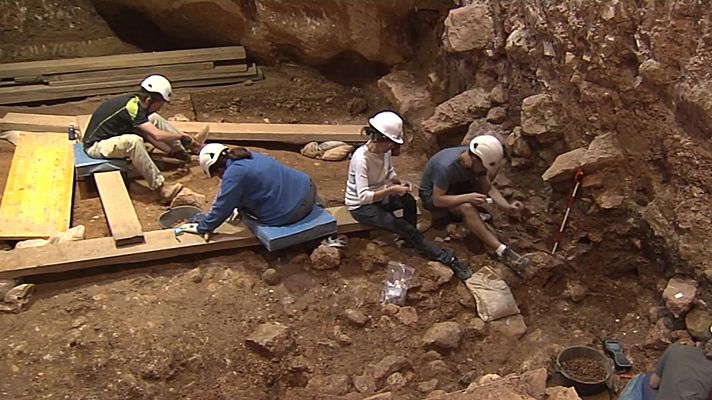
point(86, 166)
point(317, 224)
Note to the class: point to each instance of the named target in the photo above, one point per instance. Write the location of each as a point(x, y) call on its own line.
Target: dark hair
point(374, 135)
point(145, 94)
point(233, 153)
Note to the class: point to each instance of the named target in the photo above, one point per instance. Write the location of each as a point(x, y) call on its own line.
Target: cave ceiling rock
point(306, 31)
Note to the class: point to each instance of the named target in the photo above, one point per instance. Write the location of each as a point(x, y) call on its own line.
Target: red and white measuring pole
point(578, 177)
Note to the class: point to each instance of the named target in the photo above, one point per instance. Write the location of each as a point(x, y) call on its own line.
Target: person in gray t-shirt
point(684, 373)
point(459, 179)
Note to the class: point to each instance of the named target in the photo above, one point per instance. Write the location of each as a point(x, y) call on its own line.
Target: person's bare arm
point(443, 200)
point(654, 381)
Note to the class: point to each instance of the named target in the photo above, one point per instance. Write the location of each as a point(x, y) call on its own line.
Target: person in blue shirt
point(257, 186)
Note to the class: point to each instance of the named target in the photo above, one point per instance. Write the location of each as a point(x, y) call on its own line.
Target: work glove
point(190, 227)
point(338, 242)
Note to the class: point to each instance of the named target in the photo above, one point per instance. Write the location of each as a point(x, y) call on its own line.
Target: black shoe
point(514, 261)
point(462, 272)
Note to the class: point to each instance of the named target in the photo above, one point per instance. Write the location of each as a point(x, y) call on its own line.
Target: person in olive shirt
point(119, 127)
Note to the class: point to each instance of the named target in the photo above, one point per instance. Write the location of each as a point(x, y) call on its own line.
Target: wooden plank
point(132, 71)
point(37, 201)
point(35, 93)
point(162, 244)
point(219, 131)
point(118, 209)
point(174, 76)
point(35, 122)
point(21, 69)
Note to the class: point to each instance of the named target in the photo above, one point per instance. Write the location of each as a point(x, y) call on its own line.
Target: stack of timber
point(37, 81)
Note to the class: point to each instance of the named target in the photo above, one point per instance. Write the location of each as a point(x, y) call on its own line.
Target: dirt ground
point(176, 329)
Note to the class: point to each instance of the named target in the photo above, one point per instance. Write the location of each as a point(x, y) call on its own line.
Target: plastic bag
point(492, 295)
point(395, 288)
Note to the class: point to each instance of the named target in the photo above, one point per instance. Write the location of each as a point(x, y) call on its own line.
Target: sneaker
point(199, 140)
point(513, 260)
point(462, 272)
point(167, 193)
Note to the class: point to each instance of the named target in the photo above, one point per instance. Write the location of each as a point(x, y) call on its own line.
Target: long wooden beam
point(34, 68)
point(162, 244)
point(219, 131)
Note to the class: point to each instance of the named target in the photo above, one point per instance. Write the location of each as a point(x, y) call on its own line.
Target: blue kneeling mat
point(86, 166)
point(317, 224)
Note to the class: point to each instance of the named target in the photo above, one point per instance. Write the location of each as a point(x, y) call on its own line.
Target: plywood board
point(37, 201)
point(69, 256)
point(118, 209)
point(33, 68)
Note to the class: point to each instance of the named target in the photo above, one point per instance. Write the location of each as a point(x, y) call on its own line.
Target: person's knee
point(132, 140)
point(467, 211)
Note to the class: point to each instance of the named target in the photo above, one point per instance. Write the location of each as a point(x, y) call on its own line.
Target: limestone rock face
point(309, 31)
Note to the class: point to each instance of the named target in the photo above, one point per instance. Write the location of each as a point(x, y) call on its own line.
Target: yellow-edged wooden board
point(37, 201)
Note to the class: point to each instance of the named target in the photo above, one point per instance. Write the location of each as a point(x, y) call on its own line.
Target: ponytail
point(238, 153)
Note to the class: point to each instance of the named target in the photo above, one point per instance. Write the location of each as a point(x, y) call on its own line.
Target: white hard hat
point(389, 124)
point(158, 84)
point(209, 155)
point(489, 150)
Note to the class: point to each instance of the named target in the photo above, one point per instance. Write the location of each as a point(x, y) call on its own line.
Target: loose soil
point(584, 370)
point(176, 329)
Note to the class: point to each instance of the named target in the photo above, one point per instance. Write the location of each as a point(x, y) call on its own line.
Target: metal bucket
point(170, 218)
point(584, 388)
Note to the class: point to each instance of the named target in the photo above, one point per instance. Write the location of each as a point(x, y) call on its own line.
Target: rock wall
point(617, 88)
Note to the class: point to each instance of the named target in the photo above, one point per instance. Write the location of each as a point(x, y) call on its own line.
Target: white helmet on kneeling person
point(209, 155)
point(389, 124)
point(158, 84)
point(489, 150)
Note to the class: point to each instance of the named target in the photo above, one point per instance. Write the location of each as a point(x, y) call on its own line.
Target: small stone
point(512, 326)
point(356, 317)
point(444, 274)
point(698, 322)
point(325, 257)
point(679, 295)
point(390, 309)
point(443, 336)
point(343, 339)
point(195, 275)
point(468, 378)
point(372, 257)
point(364, 383)
point(248, 82)
point(396, 380)
point(496, 115)
point(388, 365)
point(575, 291)
point(271, 339)
point(407, 316)
point(660, 335)
point(271, 276)
point(427, 386)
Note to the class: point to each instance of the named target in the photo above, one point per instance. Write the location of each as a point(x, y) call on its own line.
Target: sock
point(500, 249)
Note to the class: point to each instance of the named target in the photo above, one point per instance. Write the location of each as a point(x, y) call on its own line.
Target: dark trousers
point(380, 215)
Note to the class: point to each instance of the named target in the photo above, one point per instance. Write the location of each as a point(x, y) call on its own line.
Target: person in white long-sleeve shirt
point(374, 192)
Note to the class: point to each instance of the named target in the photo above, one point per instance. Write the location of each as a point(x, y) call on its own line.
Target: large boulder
point(458, 112)
point(312, 32)
point(402, 91)
point(542, 118)
point(468, 28)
